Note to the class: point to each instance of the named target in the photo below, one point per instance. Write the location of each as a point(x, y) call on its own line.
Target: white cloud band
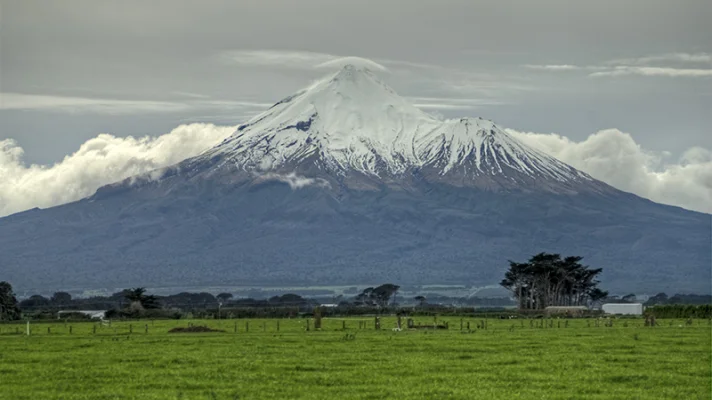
point(610, 155)
point(614, 157)
point(99, 161)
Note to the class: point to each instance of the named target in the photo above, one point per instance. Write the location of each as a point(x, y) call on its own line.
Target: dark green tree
point(660, 298)
point(61, 299)
point(289, 299)
point(420, 299)
point(224, 297)
point(629, 298)
point(549, 280)
point(382, 294)
point(138, 295)
point(8, 303)
point(35, 302)
point(365, 298)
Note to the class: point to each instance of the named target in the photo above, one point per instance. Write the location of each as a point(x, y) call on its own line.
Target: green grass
point(509, 360)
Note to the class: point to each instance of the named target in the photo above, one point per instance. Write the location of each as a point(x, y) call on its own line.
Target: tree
point(224, 297)
point(597, 295)
point(138, 297)
point(8, 303)
point(660, 298)
point(420, 299)
point(381, 295)
point(547, 279)
point(365, 297)
point(61, 298)
point(384, 293)
point(35, 301)
point(289, 299)
point(629, 298)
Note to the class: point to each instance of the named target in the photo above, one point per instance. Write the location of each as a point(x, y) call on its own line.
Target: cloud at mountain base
point(608, 155)
point(614, 157)
point(99, 161)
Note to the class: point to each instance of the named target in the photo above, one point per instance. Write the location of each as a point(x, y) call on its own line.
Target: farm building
point(623, 309)
point(566, 310)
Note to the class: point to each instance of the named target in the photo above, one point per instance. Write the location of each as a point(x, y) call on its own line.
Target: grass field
point(509, 360)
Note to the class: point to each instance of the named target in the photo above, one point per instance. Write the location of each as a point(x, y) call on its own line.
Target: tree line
point(544, 280)
point(136, 302)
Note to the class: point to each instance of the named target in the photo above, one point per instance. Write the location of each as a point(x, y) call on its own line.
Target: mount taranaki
point(345, 182)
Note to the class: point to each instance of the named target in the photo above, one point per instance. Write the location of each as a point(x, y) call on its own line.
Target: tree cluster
point(378, 296)
point(550, 280)
point(696, 299)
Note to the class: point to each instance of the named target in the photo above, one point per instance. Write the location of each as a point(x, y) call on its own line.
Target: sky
point(93, 91)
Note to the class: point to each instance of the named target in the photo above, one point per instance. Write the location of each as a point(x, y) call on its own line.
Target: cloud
point(277, 58)
point(190, 94)
point(653, 71)
point(431, 78)
point(20, 101)
point(642, 66)
point(450, 103)
point(81, 105)
point(614, 157)
point(358, 61)
point(704, 58)
point(306, 60)
point(609, 155)
point(294, 181)
point(554, 67)
point(99, 161)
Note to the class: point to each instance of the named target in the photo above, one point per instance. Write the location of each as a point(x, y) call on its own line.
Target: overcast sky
point(71, 70)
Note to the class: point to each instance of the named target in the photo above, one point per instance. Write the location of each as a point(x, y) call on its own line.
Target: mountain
point(352, 125)
point(345, 182)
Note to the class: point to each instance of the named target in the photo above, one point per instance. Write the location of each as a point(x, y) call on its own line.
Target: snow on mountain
point(351, 121)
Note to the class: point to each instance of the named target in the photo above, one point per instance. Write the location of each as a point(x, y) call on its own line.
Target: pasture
point(510, 359)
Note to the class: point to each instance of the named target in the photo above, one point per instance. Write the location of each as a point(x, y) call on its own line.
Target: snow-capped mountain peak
point(352, 121)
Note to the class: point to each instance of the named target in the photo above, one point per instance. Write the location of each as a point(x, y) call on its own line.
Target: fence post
point(277, 325)
point(317, 318)
point(343, 324)
point(70, 329)
point(378, 323)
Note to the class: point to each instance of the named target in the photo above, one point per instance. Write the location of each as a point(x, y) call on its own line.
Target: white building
point(623, 309)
